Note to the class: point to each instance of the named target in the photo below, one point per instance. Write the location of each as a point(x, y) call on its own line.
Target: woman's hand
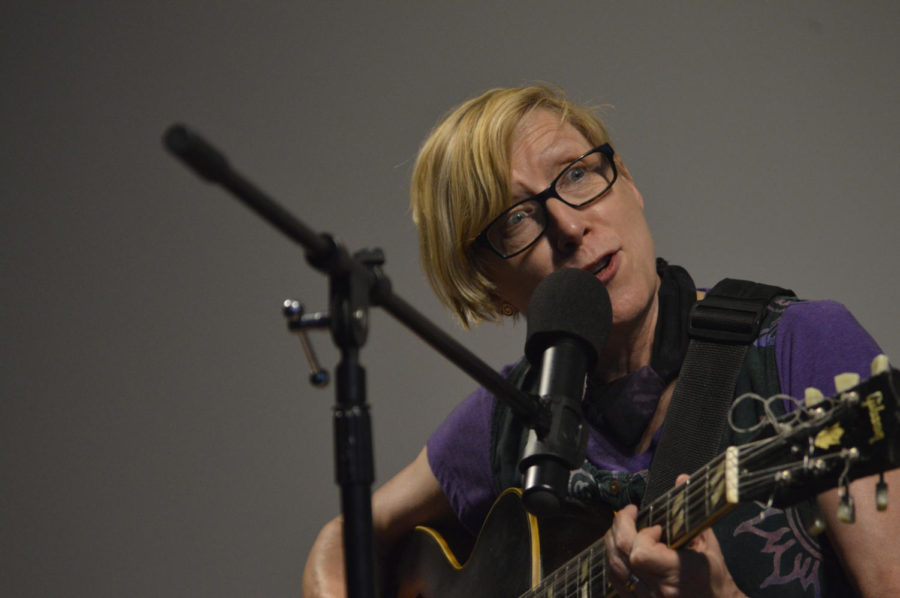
point(640, 565)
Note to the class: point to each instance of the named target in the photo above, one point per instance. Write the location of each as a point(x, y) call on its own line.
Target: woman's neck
point(630, 345)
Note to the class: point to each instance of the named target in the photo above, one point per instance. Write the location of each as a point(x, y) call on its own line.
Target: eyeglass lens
point(523, 223)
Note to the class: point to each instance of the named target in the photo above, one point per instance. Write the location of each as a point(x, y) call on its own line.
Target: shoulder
point(459, 455)
point(471, 417)
point(816, 340)
point(820, 328)
point(465, 430)
point(810, 314)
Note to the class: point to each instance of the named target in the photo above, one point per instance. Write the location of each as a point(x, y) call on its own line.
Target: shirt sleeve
point(815, 341)
point(459, 457)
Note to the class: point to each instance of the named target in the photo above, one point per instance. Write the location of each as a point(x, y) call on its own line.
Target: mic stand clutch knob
point(298, 322)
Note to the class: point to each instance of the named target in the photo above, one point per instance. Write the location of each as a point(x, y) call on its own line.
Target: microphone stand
point(355, 283)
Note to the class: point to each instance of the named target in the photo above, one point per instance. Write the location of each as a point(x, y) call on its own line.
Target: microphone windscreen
point(568, 303)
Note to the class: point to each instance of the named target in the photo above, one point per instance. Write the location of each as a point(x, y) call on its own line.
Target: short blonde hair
point(461, 182)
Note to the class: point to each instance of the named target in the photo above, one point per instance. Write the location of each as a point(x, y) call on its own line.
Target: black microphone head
point(568, 303)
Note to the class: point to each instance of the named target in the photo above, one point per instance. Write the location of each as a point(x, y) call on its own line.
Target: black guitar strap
point(722, 327)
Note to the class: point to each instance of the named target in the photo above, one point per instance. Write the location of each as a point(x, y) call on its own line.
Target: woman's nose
point(566, 227)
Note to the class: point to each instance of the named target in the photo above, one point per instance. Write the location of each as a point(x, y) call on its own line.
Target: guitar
point(826, 443)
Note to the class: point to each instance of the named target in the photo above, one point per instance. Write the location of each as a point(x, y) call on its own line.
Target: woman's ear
point(629, 180)
point(623, 170)
point(503, 307)
point(508, 309)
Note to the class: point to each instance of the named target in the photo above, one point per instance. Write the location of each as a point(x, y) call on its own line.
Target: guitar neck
point(682, 513)
point(688, 509)
point(823, 443)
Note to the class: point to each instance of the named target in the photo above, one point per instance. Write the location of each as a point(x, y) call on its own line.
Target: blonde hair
point(461, 182)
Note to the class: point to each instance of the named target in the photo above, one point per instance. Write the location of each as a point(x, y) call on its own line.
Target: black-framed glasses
point(522, 224)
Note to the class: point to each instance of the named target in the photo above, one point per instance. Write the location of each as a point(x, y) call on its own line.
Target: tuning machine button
point(846, 381)
point(846, 510)
point(881, 493)
point(815, 521)
point(812, 396)
point(880, 364)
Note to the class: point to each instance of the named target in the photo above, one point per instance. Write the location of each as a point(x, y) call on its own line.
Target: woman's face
point(609, 237)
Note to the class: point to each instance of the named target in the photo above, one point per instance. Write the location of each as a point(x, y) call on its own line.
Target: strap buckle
point(726, 319)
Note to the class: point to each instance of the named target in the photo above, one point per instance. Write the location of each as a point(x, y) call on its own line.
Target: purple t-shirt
point(815, 341)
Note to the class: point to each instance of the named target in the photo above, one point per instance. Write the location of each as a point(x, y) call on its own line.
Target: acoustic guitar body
point(514, 550)
point(813, 451)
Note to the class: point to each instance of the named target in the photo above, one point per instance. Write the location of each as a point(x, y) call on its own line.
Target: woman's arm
point(410, 498)
point(868, 547)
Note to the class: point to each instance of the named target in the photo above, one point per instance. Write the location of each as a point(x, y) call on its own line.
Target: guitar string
point(749, 482)
point(690, 504)
point(568, 580)
point(568, 576)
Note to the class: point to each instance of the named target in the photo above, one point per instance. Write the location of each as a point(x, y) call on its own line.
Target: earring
point(507, 309)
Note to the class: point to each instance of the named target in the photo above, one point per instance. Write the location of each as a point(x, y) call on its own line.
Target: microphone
point(569, 318)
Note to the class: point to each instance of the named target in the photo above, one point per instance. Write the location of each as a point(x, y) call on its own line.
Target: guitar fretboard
point(682, 512)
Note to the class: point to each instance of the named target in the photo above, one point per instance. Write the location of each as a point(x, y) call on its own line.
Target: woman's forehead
point(541, 146)
point(543, 136)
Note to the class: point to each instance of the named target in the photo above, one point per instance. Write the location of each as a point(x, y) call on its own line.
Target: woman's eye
point(575, 174)
point(515, 218)
point(518, 218)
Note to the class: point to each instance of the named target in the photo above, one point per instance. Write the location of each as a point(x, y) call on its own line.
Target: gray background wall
point(157, 433)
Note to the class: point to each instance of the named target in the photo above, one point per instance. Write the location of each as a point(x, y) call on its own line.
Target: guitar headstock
point(830, 442)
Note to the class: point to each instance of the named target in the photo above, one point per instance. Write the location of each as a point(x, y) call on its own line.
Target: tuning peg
point(880, 364)
point(812, 396)
point(846, 381)
point(815, 522)
point(881, 493)
point(846, 510)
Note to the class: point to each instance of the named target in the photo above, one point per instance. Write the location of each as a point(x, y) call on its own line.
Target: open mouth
point(602, 264)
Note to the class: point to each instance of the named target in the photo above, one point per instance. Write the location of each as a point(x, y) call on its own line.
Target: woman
point(514, 185)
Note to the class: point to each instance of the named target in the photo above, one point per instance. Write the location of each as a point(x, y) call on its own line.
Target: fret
point(586, 581)
point(604, 565)
point(559, 584)
point(562, 585)
point(595, 569)
point(717, 487)
point(690, 506)
point(643, 518)
point(667, 528)
point(699, 513)
point(706, 504)
point(571, 579)
point(586, 577)
point(559, 580)
point(677, 519)
point(656, 510)
point(579, 574)
point(582, 574)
